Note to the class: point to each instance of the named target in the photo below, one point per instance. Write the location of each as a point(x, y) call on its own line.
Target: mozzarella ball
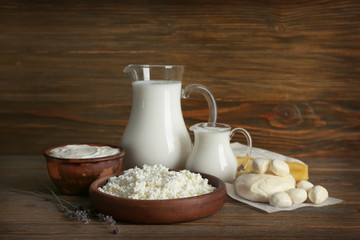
point(305, 185)
point(280, 199)
point(260, 165)
point(318, 194)
point(279, 167)
point(297, 195)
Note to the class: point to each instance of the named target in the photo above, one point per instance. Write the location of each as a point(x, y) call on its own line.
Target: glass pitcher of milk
point(212, 153)
point(156, 132)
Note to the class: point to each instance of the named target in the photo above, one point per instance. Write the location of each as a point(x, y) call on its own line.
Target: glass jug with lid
point(156, 132)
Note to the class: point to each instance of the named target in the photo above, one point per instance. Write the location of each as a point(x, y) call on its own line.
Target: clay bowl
point(158, 211)
point(74, 176)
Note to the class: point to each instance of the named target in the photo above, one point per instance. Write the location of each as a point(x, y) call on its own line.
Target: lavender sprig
point(80, 215)
point(74, 211)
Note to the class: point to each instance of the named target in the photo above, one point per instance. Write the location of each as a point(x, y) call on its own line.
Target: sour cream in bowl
point(83, 151)
point(74, 167)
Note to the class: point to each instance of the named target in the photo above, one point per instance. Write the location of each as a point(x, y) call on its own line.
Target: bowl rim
point(96, 184)
point(84, 160)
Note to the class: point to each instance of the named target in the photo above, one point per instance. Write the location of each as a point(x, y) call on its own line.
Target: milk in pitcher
point(156, 132)
point(212, 154)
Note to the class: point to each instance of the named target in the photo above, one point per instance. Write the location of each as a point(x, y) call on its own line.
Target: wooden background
point(288, 71)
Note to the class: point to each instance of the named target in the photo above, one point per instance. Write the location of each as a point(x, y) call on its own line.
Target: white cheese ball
point(305, 185)
point(280, 199)
point(318, 194)
point(297, 195)
point(279, 167)
point(260, 165)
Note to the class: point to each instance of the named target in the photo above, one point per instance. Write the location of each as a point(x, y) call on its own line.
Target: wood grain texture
point(287, 71)
point(27, 217)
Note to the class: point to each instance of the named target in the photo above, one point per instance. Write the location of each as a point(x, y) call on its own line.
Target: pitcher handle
point(249, 143)
point(186, 92)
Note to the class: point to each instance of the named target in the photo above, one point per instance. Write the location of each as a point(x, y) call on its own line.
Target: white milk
point(156, 132)
point(212, 154)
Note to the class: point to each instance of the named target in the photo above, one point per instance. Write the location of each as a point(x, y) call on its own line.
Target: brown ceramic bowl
point(74, 176)
point(158, 211)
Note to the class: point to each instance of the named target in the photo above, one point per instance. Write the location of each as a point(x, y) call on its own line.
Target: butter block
point(298, 170)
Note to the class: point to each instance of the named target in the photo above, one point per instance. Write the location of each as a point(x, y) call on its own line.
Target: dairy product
point(298, 170)
point(306, 185)
point(260, 165)
point(156, 182)
point(297, 195)
point(83, 151)
point(156, 132)
point(280, 199)
point(212, 153)
point(279, 167)
point(318, 194)
point(259, 187)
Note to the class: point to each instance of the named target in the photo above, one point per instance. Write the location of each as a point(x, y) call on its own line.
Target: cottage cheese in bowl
point(155, 183)
point(83, 151)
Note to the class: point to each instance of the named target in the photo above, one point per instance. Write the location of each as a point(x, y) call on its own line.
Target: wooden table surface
point(23, 216)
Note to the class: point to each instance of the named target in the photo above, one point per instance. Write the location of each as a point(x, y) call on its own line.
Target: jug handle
point(242, 167)
point(186, 92)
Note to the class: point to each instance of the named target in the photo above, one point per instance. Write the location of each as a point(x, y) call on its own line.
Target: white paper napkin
point(240, 150)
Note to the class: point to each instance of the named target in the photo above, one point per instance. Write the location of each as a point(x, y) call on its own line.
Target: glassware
point(156, 131)
point(212, 153)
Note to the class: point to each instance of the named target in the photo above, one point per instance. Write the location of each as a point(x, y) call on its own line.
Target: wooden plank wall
point(288, 71)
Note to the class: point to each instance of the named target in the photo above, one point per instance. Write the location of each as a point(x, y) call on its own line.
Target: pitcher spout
point(132, 70)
